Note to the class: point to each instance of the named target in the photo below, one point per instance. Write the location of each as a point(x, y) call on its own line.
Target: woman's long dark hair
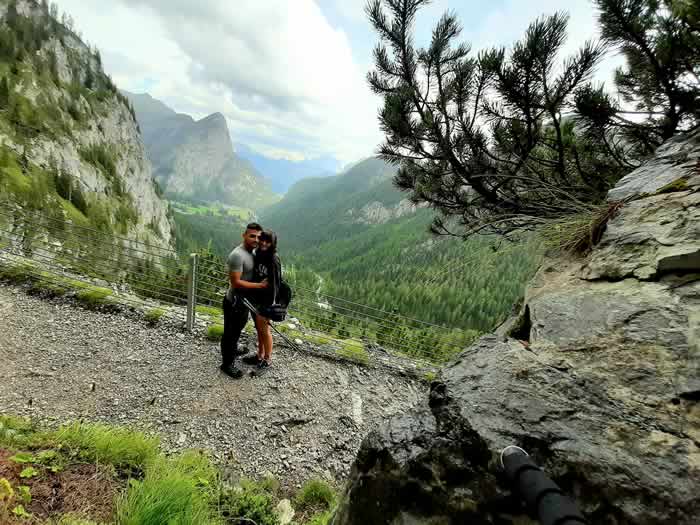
point(272, 238)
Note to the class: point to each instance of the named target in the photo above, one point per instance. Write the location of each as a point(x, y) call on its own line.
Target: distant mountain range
point(283, 173)
point(195, 159)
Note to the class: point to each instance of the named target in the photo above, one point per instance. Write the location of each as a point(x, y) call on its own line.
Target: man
point(240, 271)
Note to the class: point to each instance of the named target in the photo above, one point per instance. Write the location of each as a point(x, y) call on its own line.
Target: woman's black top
point(269, 268)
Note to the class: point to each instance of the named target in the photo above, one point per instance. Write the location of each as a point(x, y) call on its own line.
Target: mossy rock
point(680, 184)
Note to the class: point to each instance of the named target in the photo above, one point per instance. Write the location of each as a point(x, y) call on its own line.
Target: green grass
point(316, 339)
point(18, 273)
point(151, 488)
point(215, 332)
point(209, 310)
point(322, 518)
point(215, 211)
point(354, 351)
point(125, 449)
point(153, 315)
point(94, 295)
point(178, 491)
point(73, 214)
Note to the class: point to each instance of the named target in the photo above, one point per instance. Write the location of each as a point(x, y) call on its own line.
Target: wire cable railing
point(144, 275)
point(98, 266)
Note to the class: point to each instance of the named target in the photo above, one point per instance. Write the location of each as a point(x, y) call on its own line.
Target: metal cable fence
point(101, 268)
point(62, 257)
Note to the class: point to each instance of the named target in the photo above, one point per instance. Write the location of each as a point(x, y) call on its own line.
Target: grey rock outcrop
point(194, 159)
point(598, 378)
point(377, 213)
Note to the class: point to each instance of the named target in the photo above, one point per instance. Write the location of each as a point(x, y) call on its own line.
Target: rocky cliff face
point(377, 213)
point(195, 159)
point(598, 378)
point(74, 114)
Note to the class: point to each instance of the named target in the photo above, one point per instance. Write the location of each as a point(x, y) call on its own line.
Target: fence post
point(191, 291)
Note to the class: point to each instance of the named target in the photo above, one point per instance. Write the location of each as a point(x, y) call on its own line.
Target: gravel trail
point(304, 418)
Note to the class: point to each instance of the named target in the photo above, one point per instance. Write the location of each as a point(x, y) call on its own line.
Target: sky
point(289, 75)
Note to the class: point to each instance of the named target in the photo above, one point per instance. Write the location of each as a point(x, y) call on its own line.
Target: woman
point(267, 267)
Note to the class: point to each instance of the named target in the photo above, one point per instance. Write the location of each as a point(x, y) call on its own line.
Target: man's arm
point(238, 283)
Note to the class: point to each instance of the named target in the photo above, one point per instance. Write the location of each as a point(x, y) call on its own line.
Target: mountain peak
point(214, 117)
point(195, 159)
point(214, 121)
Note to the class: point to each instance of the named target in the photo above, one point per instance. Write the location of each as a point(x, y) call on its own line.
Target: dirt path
point(303, 418)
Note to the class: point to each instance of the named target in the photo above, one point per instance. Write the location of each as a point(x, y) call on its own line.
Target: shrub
point(250, 501)
point(315, 495)
point(578, 233)
point(215, 332)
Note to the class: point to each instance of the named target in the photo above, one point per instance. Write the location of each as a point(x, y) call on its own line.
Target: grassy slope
point(82, 472)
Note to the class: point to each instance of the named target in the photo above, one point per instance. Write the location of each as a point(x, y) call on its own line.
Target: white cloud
point(283, 76)
point(508, 23)
point(280, 73)
point(272, 152)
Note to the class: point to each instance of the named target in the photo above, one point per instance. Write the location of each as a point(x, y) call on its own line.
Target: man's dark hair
point(254, 226)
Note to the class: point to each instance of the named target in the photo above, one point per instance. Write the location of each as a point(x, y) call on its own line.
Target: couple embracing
point(255, 274)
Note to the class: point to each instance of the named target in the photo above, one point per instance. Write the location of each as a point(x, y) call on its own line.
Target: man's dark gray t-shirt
point(240, 260)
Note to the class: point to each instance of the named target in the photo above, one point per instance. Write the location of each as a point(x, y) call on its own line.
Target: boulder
point(598, 378)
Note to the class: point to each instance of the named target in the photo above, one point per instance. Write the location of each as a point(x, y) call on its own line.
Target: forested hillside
point(328, 208)
point(355, 237)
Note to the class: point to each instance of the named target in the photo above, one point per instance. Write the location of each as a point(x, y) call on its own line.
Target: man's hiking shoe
point(232, 371)
point(251, 359)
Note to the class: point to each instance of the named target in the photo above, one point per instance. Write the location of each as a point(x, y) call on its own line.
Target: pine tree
point(4, 93)
point(518, 170)
point(661, 45)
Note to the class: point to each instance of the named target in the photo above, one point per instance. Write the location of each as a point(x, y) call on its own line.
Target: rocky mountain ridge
point(68, 121)
point(598, 378)
point(195, 159)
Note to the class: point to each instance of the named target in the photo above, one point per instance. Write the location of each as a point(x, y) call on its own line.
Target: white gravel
point(304, 418)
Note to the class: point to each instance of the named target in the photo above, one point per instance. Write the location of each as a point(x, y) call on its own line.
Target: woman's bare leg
point(267, 341)
point(260, 328)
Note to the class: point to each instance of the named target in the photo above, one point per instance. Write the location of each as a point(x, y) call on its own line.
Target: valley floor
point(304, 418)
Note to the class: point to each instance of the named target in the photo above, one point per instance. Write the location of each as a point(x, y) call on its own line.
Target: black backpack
point(277, 311)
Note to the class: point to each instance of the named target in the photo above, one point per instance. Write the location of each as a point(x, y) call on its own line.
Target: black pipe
point(542, 496)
